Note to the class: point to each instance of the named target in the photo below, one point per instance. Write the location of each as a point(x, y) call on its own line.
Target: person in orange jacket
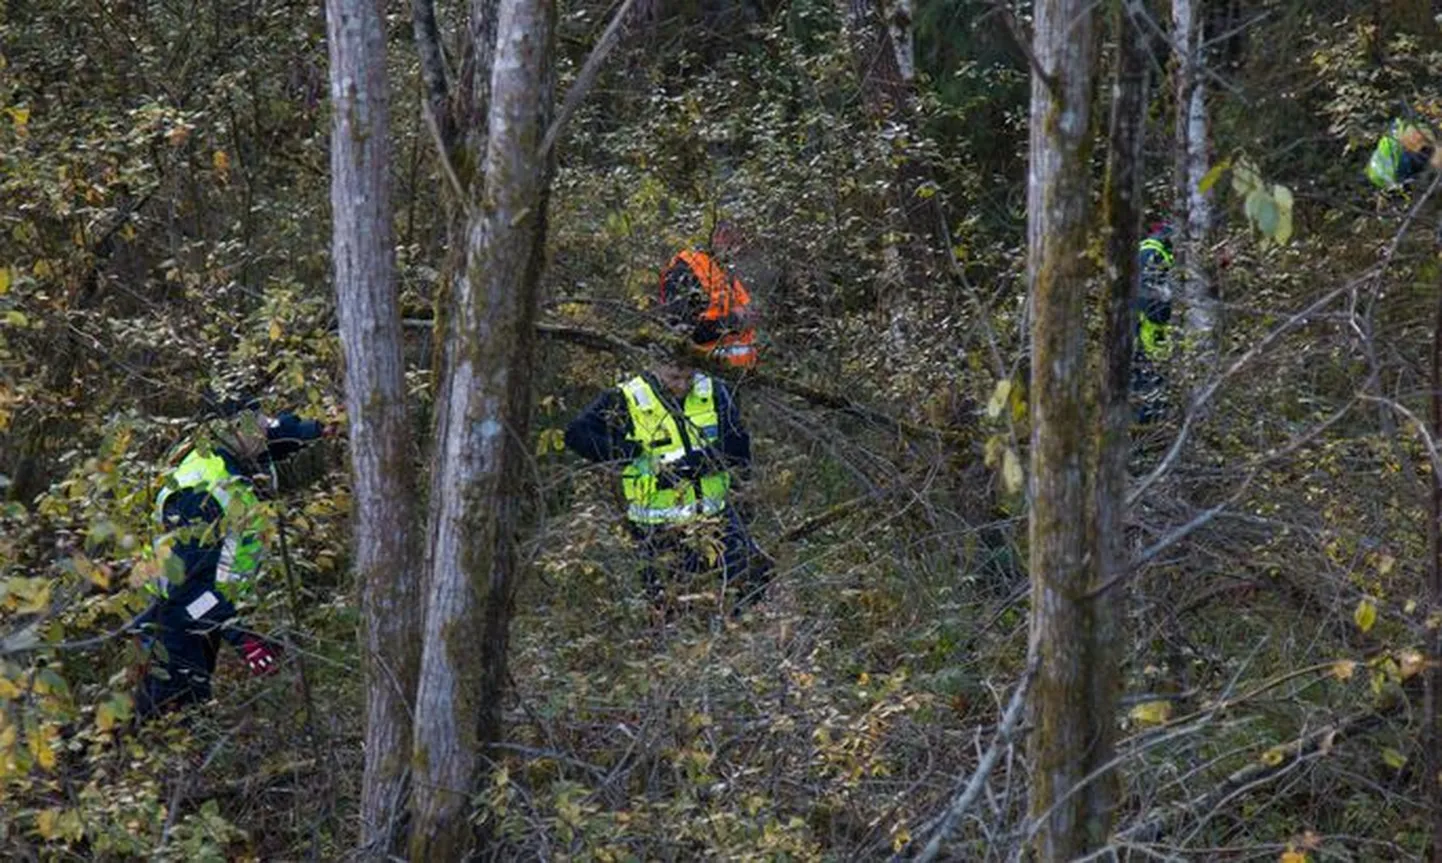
point(717, 302)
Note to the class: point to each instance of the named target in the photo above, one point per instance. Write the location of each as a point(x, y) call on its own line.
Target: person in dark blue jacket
point(678, 439)
point(209, 545)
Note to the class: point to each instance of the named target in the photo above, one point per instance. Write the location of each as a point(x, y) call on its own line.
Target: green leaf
point(1393, 759)
point(1210, 178)
point(1268, 217)
point(1365, 615)
point(1283, 197)
point(1245, 179)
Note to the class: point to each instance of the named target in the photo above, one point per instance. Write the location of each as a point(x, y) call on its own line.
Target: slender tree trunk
point(1193, 217)
point(382, 456)
point(1432, 683)
point(1123, 200)
point(1065, 722)
point(480, 443)
point(883, 48)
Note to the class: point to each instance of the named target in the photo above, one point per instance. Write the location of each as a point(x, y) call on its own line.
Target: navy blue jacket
point(600, 432)
point(199, 548)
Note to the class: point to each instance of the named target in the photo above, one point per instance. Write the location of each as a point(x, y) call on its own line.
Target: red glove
point(261, 657)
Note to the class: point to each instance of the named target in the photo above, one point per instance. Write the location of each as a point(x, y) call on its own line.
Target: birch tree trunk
point(1194, 207)
point(481, 443)
point(1066, 723)
point(382, 457)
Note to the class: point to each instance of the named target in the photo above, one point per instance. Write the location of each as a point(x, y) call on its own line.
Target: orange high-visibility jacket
point(726, 296)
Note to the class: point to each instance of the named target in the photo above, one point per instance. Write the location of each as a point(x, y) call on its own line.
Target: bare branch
point(999, 742)
point(586, 79)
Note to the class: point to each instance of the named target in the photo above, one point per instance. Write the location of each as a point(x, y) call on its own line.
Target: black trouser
point(184, 651)
point(675, 553)
point(1148, 389)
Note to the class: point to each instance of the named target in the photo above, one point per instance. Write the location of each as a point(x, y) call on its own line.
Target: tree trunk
point(481, 443)
point(382, 457)
point(1432, 683)
point(1193, 218)
point(1123, 200)
point(1066, 724)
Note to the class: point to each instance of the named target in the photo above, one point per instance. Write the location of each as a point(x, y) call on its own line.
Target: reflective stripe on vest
point(241, 549)
point(660, 435)
point(1152, 244)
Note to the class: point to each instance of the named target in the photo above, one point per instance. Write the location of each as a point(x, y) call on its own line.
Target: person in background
point(677, 436)
point(1401, 154)
point(210, 551)
point(1152, 315)
point(699, 288)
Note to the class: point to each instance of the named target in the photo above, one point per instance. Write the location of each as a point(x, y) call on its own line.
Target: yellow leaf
point(45, 823)
point(1385, 564)
point(1343, 669)
point(991, 455)
point(275, 330)
point(1365, 615)
point(39, 744)
point(37, 600)
point(1393, 759)
point(4, 281)
point(221, 161)
point(1151, 712)
point(1011, 473)
point(1410, 607)
point(1292, 855)
point(900, 840)
point(1272, 757)
point(998, 399)
point(20, 115)
point(1210, 178)
point(1409, 663)
point(9, 689)
point(104, 716)
point(43, 269)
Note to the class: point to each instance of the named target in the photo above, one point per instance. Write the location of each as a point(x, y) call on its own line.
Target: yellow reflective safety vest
point(241, 549)
point(1151, 337)
point(664, 439)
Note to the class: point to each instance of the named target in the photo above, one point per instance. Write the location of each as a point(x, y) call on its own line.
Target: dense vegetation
point(165, 178)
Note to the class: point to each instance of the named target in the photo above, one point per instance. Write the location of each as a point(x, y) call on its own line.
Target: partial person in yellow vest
point(1401, 154)
point(697, 286)
point(208, 544)
point(677, 438)
point(1152, 315)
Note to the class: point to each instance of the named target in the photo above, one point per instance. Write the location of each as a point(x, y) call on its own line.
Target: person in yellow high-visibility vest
point(1152, 315)
point(1401, 154)
point(209, 546)
point(677, 436)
